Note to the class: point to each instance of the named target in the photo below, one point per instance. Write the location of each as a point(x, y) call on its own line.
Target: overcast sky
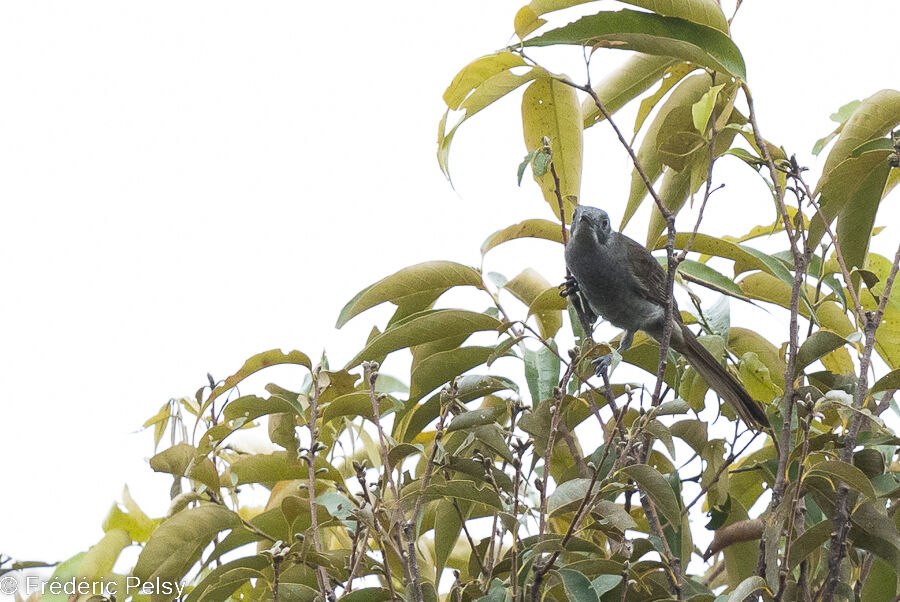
point(185, 184)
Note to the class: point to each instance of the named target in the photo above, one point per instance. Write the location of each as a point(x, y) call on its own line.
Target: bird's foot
point(569, 287)
point(601, 364)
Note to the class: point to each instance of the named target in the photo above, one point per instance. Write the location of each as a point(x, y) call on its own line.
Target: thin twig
point(370, 372)
point(801, 259)
point(842, 514)
point(321, 575)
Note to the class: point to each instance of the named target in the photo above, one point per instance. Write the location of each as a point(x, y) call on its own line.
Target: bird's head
point(591, 222)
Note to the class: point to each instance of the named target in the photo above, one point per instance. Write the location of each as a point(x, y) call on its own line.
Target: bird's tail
point(719, 379)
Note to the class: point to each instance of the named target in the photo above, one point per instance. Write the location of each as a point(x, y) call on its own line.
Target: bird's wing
point(649, 279)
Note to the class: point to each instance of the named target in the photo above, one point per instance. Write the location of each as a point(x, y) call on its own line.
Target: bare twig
point(321, 575)
point(842, 514)
point(407, 551)
point(801, 260)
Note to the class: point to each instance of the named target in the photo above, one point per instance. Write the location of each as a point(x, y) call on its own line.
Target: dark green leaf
point(577, 586)
point(654, 485)
point(651, 34)
point(820, 343)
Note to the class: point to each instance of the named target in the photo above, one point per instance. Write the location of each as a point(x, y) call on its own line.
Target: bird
point(616, 278)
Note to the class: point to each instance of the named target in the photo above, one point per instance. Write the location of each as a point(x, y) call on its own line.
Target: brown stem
point(842, 513)
point(370, 373)
point(800, 262)
point(321, 575)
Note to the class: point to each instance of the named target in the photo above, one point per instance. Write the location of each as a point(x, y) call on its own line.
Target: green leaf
point(268, 469)
point(888, 382)
point(440, 368)
point(673, 75)
point(358, 403)
point(447, 527)
point(548, 301)
point(633, 78)
point(661, 432)
point(532, 289)
point(745, 258)
point(368, 594)
point(550, 109)
point(224, 580)
point(413, 288)
point(685, 93)
point(615, 515)
point(606, 583)
point(715, 482)
point(854, 226)
point(812, 539)
point(251, 407)
point(651, 34)
point(256, 363)
point(577, 586)
point(742, 340)
point(872, 118)
point(880, 584)
point(748, 587)
point(133, 520)
point(424, 327)
point(490, 435)
point(416, 417)
point(671, 408)
point(473, 418)
point(541, 372)
point(837, 471)
point(654, 485)
point(820, 343)
point(530, 228)
point(460, 490)
point(704, 12)
point(852, 192)
point(568, 496)
point(703, 108)
point(757, 379)
point(174, 460)
point(99, 560)
point(702, 274)
point(692, 432)
point(475, 87)
point(177, 543)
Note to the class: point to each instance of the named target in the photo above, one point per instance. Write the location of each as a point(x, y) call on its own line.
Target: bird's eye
point(605, 223)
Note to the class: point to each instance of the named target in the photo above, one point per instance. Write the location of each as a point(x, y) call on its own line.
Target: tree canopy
point(500, 468)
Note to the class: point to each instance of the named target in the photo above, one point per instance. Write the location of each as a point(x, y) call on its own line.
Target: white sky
point(186, 184)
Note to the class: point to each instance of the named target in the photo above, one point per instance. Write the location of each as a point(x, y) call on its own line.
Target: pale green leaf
point(413, 288)
point(748, 587)
point(633, 78)
point(424, 327)
point(685, 93)
point(177, 543)
point(550, 109)
point(530, 228)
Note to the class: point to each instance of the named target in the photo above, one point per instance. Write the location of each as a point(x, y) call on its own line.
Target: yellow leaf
point(550, 109)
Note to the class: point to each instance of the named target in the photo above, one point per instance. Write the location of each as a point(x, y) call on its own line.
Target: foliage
point(463, 484)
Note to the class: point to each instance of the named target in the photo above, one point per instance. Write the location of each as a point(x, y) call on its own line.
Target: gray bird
point(617, 278)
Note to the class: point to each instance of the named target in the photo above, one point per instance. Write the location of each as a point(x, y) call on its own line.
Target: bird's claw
point(601, 364)
point(569, 287)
